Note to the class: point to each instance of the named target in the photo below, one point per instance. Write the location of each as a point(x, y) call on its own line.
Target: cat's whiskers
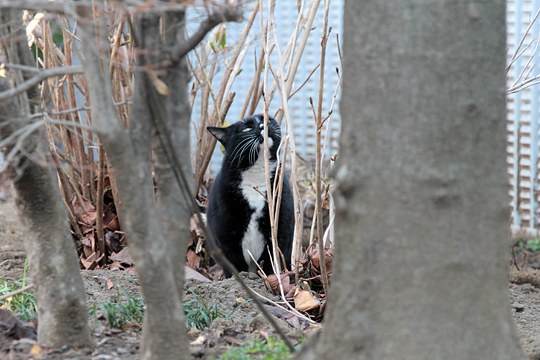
point(253, 151)
point(244, 145)
point(235, 153)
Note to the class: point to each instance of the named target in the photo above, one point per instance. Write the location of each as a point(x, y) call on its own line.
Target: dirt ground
point(243, 320)
point(243, 323)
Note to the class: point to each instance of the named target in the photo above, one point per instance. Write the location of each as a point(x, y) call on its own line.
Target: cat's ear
point(219, 133)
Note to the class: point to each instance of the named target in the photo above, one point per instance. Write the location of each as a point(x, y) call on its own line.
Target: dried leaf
point(304, 300)
point(123, 257)
point(315, 260)
point(192, 274)
point(111, 221)
point(85, 213)
point(199, 341)
point(290, 294)
point(273, 283)
point(13, 328)
point(93, 257)
point(192, 238)
point(88, 217)
point(86, 242)
point(87, 251)
point(193, 260)
point(36, 351)
point(116, 265)
point(110, 284)
point(88, 265)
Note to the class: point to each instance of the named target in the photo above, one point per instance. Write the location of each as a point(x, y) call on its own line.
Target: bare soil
point(243, 321)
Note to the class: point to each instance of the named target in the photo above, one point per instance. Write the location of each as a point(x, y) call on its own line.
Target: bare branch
point(517, 53)
point(305, 81)
point(38, 5)
point(16, 292)
point(216, 16)
point(35, 80)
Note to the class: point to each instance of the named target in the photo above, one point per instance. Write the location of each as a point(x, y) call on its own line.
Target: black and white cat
point(238, 216)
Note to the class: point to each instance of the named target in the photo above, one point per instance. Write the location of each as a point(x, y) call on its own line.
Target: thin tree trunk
point(54, 269)
point(53, 265)
point(420, 270)
point(164, 325)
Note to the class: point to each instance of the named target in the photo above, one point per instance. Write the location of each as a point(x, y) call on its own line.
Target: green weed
point(199, 315)
point(23, 305)
point(273, 349)
point(126, 311)
point(530, 244)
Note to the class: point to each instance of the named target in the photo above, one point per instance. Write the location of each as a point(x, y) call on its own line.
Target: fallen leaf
point(88, 265)
point(114, 224)
point(87, 251)
point(315, 259)
point(123, 257)
point(191, 240)
point(192, 260)
point(273, 283)
point(93, 257)
point(110, 284)
point(13, 328)
point(304, 300)
point(116, 265)
point(86, 242)
point(36, 351)
point(192, 274)
point(198, 341)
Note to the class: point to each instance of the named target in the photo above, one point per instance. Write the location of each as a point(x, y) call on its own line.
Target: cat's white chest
point(253, 187)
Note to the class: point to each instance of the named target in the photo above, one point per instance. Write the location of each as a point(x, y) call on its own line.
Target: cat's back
point(223, 200)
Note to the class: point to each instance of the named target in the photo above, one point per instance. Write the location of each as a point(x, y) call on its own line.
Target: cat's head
point(243, 140)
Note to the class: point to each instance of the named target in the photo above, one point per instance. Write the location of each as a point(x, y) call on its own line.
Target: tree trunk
point(53, 265)
point(164, 325)
point(54, 269)
point(420, 270)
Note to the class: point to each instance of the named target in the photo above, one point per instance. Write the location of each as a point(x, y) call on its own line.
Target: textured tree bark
point(53, 265)
point(172, 115)
point(420, 270)
point(54, 269)
point(164, 325)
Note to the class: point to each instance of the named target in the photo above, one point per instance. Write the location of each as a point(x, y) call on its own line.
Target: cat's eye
point(247, 129)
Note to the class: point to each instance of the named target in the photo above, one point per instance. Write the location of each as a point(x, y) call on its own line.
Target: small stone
point(527, 288)
point(103, 357)
point(518, 307)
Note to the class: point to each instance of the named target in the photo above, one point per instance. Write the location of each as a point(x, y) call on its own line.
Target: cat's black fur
point(237, 209)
